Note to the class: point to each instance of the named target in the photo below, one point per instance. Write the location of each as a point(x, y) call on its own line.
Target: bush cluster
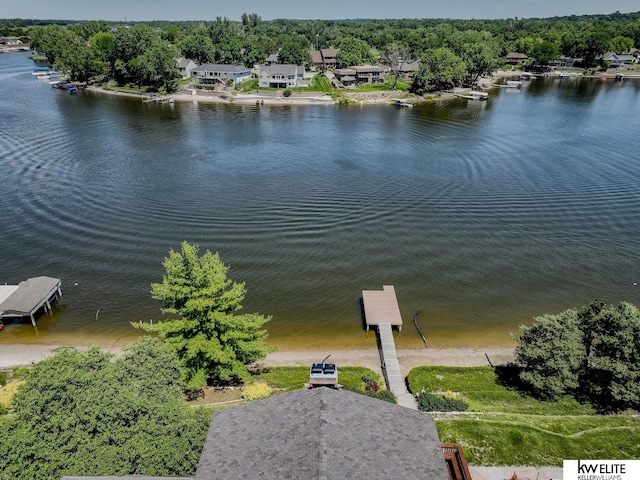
point(429, 402)
point(256, 391)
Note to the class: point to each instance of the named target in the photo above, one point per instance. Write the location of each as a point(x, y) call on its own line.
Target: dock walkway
point(381, 310)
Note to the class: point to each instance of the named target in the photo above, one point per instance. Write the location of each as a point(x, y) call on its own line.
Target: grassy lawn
point(125, 89)
point(513, 429)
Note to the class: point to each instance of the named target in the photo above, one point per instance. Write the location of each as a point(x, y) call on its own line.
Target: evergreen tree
point(214, 342)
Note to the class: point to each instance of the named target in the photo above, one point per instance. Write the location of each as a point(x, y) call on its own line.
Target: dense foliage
point(84, 413)
point(215, 343)
point(144, 54)
point(592, 353)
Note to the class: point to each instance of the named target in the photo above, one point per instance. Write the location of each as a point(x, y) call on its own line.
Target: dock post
point(33, 321)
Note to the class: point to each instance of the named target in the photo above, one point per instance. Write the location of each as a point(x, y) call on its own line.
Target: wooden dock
point(381, 310)
point(26, 298)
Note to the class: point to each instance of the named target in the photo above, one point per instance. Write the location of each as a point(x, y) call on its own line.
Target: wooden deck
point(381, 310)
point(381, 307)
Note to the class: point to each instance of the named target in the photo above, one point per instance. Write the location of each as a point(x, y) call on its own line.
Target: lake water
point(482, 214)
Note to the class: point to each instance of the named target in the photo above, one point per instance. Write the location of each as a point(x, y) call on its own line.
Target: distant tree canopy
point(592, 353)
point(479, 43)
point(86, 413)
point(214, 342)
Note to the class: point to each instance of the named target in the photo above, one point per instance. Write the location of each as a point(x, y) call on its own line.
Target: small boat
point(473, 95)
point(41, 72)
point(514, 84)
point(398, 102)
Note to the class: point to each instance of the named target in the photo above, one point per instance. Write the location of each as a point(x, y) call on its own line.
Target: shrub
point(369, 376)
point(19, 373)
point(8, 392)
point(385, 395)
point(256, 391)
point(372, 386)
point(286, 93)
point(428, 402)
point(3, 379)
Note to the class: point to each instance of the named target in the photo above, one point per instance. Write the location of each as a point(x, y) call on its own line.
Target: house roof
point(329, 52)
point(321, 434)
point(30, 295)
point(517, 55)
point(282, 69)
point(273, 58)
point(184, 62)
point(409, 66)
point(222, 68)
point(344, 71)
point(316, 56)
point(367, 68)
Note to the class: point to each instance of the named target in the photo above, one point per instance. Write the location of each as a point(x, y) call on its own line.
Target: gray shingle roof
point(321, 434)
point(30, 295)
point(219, 67)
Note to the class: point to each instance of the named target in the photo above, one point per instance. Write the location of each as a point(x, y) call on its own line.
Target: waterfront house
point(563, 62)
point(211, 74)
point(185, 66)
point(612, 58)
point(407, 69)
point(515, 58)
point(325, 58)
point(272, 59)
point(359, 74)
point(369, 74)
point(346, 76)
point(280, 76)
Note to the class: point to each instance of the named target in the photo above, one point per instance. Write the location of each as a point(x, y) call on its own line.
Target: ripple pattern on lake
point(482, 214)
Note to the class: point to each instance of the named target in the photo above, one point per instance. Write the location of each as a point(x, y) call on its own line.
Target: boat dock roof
point(26, 298)
point(381, 307)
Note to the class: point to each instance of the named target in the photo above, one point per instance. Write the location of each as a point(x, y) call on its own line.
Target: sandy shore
point(13, 355)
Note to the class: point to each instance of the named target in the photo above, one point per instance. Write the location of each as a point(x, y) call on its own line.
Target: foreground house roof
point(321, 434)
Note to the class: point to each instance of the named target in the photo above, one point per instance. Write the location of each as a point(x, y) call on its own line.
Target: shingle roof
point(30, 295)
point(282, 69)
point(321, 434)
point(219, 67)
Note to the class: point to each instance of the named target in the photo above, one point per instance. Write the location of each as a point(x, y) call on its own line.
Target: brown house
point(515, 58)
point(325, 58)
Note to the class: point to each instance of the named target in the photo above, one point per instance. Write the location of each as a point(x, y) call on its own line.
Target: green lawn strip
point(479, 388)
point(522, 440)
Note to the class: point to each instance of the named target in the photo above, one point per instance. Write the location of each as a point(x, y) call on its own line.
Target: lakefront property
point(361, 233)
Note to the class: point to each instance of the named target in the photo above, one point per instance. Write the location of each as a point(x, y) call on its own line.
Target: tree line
point(451, 52)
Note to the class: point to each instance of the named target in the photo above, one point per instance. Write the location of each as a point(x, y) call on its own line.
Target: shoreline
point(21, 354)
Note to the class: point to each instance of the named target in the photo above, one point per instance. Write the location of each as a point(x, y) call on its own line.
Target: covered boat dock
point(29, 296)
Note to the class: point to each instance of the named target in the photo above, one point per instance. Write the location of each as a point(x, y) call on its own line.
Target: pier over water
point(381, 310)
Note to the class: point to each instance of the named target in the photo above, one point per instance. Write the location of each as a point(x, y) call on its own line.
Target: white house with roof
point(280, 76)
point(209, 73)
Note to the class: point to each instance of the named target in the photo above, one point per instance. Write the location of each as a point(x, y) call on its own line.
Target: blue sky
point(135, 10)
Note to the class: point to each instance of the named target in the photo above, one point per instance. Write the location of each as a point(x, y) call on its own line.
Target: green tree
point(551, 353)
point(545, 52)
point(353, 51)
point(214, 342)
point(84, 413)
point(621, 44)
point(593, 353)
point(440, 69)
point(198, 46)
